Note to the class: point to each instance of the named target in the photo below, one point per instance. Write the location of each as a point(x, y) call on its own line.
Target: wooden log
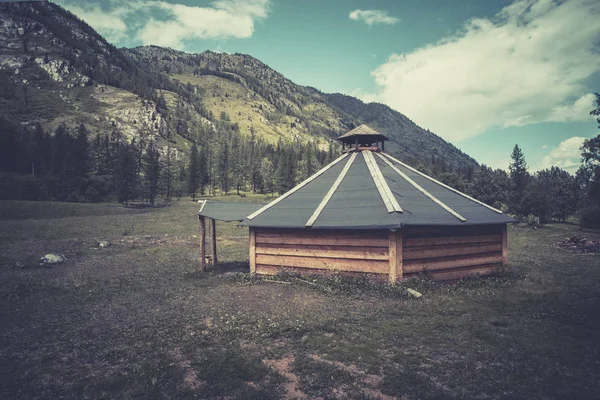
point(435, 241)
point(202, 243)
point(330, 241)
point(323, 251)
point(505, 245)
point(433, 264)
point(414, 253)
point(371, 266)
point(213, 229)
point(252, 247)
point(264, 269)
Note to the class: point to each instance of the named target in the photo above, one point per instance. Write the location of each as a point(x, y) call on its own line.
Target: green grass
point(137, 319)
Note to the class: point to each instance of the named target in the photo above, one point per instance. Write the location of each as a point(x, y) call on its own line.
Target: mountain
point(55, 69)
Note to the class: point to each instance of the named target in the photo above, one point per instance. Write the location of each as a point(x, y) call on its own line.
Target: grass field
point(136, 320)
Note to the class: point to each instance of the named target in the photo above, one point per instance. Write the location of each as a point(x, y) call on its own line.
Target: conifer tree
point(152, 170)
point(193, 175)
point(519, 178)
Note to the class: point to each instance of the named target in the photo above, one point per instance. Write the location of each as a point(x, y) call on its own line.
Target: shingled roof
point(372, 190)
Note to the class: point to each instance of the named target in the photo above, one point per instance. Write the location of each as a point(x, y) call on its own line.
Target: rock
point(104, 243)
point(414, 293)
point(53, 258)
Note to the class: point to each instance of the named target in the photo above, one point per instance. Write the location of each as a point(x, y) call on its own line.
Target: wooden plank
point(422, 190)
point(479, 270)
point(505, 245)
point(393, 258)
point(202, 206)
point(376, 266)
point(359, 253)
point(399, 255)
point(202, 243)
point(391, 204)
point(436, 241)
point(450, 262)
point(413, 253)
point(264, 269)
point(442, 184)
point(307, 240)
point(269, 232)
point(444, 231)
point(213, 229)
point(252, 248)
point(331, 191)
point(296, 188)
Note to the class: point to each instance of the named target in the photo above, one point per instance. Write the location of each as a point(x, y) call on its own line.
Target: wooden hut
point(369, 213)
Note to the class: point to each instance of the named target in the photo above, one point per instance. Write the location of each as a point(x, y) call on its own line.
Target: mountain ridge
point(73, 74)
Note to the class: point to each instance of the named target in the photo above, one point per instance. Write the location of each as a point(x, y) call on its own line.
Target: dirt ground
point(137, 320)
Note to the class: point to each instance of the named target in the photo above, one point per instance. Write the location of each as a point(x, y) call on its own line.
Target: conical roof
point(364, 134)
point(372, 190)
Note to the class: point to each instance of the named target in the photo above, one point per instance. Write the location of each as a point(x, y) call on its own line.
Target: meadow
point(138, 320)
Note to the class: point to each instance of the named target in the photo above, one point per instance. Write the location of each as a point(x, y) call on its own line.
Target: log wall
point(319, 251)
point(442, 253)
point(454, 253)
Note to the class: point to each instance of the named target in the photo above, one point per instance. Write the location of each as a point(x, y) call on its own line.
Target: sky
point(482, 74)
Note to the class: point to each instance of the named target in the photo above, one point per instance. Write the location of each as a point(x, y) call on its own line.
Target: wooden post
point(202, 243)
point(252, 251)
point(399, 256)
point(392, 255)
point(505, 245)
point(395, 254)
point(213, 228)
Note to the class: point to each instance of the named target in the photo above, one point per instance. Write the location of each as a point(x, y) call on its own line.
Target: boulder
point(414, 293)
point(103, 243)
point(53, 258)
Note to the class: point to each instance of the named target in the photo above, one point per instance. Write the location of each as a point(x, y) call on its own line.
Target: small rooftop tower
point(362, 138)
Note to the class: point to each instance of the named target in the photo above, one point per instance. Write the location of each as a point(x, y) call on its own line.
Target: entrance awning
point(227, 211)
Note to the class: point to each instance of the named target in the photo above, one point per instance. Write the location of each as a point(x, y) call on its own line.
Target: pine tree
point(193, 175)
point(152, 170)
point(167, 176)
point(126, 178)
point(223, 167)
point(519, 178)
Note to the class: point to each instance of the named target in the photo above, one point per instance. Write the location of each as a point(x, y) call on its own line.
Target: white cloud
point(518, 68)
point(109, 23)
point(567, 155)
point(578, 111)
point(373, 17)
point(171, 24)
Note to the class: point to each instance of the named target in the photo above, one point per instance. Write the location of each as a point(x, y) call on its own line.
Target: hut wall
point(454, 252)
point(321, 251)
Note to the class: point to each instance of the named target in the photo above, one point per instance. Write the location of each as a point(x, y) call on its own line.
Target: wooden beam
point(422, 190)
point(252, 248)
point(213, 230)
point(505, 245)
point(442, 184)
point(202, 243)
point(451, 262)
point(325, 240)
point(391, 204)
point(296, 188)
point(421, 252)
point(331, 191)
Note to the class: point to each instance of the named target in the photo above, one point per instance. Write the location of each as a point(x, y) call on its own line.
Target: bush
point(589, 217)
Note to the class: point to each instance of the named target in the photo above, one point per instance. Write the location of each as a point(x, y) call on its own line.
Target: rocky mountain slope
point(54, 68)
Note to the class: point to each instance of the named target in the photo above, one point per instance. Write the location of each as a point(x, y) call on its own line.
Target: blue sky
point(483, 75)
